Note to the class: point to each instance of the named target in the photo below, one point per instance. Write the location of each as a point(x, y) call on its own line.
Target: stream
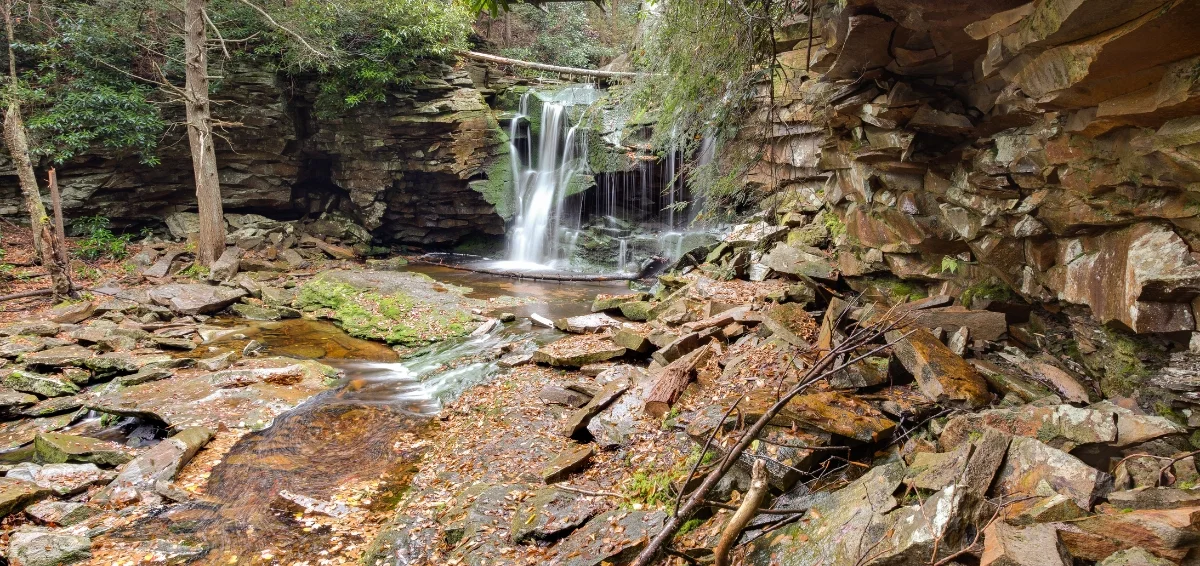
point(354, 447)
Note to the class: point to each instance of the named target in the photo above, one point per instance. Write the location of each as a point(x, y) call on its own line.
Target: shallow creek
point(359, 442)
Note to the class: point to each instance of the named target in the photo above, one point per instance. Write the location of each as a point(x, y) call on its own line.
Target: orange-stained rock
point(841, 414)
point(941, 375)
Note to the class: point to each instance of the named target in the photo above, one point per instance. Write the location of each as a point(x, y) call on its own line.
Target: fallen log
point(24, 294)
point(560, 277)
point(544, 67)
point(673, 379)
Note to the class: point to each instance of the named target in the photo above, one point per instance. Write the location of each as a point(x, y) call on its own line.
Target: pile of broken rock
point(949, 445)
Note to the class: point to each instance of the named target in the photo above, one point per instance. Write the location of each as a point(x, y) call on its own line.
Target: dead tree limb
point(544, 67)
point(825, 366)
point(26, 294)
point(60, 231)
point(560, 277)
point(673, 379)
point(747, 511)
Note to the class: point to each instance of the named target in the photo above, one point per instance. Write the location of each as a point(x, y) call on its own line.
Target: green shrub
point(99, 242)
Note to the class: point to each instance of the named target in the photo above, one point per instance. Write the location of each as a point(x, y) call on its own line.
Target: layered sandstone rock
point(1050, 145)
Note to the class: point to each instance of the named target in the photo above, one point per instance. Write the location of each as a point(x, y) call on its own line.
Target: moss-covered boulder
point(55, 448)
point(394, 307)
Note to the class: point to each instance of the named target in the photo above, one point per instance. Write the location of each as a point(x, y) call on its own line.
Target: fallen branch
point(563, 277)
point(24, 294)
point(586, 492)
point(821, 369)
point(1162, 472)
point(747, 511)
point(544, 67)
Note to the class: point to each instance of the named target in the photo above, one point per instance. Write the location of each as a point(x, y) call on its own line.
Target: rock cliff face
point(1054, 145)
point(402, 168)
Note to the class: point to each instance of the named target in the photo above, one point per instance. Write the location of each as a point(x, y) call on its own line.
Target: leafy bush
point(560, 35)
point(99, 242)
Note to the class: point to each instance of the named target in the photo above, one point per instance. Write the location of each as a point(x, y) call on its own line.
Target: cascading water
point(541, 183)
point(571, 218)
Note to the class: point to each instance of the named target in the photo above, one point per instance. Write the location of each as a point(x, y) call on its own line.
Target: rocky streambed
point(382, 414)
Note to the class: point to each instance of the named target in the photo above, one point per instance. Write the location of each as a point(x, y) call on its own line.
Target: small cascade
point(622, 253)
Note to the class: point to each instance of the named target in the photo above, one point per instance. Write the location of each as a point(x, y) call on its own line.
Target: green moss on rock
point(394, 317)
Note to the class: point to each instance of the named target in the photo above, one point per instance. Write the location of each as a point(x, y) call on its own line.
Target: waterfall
point(622, 254)
point(541, 183)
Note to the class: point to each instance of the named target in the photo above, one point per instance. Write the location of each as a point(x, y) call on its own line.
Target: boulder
point(638, 311)
point(1035, 545)
point(791, 323)
point(567, 462)
point(633, 340)
point(587, 323)
point(62, 356)
point(140, 478)
point(1136, 428)
point(226, 266)
point(54, 406)
point(42, 328)
point(555, 395)
point(37, 546)
point(13, 402)
point(614, 425)
point(162, 267)
point(15, 346)
point(679, 347)
point(1135, 556)
point(935, 471)
point(614, 537)
point(604, 302)
point(1030, 462)
point(1006, 382)
point(1169, 533)
point(72, 313)
point(800, 261)
point(550, 514)
point(840, 524)
point(192, 298)
point(578, 421)
point(182, 225)
point(255, 312)
point(107, 366)
point(1060, 426)
point(1132, 276)
point(982, 325)
point(578, 351)
point(941, 375)
point(841, 414)
point(864, 47)
point(55, 448)
point(63, 479)
point(15, 494)
point(916, 533)
point(61, 513)
point(39, 384)
point(1155, 498)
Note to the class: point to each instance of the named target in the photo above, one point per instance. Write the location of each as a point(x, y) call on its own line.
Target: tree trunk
point(200, 136)
point(60, 232)
point(45, 246)
point(33, 199)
